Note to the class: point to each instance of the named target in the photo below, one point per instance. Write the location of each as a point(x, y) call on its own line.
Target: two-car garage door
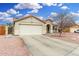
point(30, 29)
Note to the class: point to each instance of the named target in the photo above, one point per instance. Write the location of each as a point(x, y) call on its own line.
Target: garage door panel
point(30, 30)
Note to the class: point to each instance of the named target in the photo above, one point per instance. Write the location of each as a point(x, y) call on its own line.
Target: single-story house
point(32, 25)
point(72, 28)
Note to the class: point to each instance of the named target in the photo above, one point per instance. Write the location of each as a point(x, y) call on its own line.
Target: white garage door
point(30, 30)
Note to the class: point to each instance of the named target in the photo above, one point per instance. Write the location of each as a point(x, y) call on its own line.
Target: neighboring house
point(71, 29)
point(31, 25)
point(74, 28)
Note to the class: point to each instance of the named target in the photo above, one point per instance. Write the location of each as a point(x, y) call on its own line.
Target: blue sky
point(8, 11)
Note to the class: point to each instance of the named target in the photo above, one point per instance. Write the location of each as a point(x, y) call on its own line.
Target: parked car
point(77, 31)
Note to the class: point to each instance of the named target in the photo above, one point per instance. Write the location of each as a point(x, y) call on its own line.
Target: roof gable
point(29, 17)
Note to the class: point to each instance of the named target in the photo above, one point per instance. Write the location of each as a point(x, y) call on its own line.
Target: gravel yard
point(70, 37)
point(12, 46)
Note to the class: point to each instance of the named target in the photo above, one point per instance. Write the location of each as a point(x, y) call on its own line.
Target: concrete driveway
point(41, 45)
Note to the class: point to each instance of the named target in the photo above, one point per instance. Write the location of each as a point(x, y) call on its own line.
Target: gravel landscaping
point(12, 46)
point(70, 37)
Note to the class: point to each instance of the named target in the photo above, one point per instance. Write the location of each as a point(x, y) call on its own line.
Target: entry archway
point(48, 28)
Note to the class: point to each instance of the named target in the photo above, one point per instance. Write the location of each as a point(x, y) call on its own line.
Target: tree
point(63, 21)
point(10, 28)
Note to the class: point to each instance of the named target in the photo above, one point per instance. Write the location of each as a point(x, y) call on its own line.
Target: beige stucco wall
point(44, 29)
point(16, 28)
point(28, 21)
point(73, 29)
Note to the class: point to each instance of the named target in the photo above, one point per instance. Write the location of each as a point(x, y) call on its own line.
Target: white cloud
point(28, 5)
point(7, 15)
point(12, 11)
point(18, 15)
point(9, 19)
point(74, 14)
point(26, 14)
point(54, 4)
point(50, 4)
point(64, 7)
point(54, 13)
point(34, 11)
point(4, 14)
point(60, 4)
point(34, 6)
point(40, 17)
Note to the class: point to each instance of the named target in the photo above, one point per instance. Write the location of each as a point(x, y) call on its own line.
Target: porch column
point(51, 29)
point(6, 30)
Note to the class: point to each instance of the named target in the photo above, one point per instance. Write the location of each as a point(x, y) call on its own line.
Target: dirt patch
point(12, 46)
